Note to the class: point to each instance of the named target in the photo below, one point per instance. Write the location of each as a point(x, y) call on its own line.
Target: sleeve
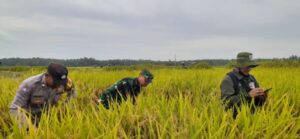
point(20, 101)
point(228, 94)
point(259, 100)
point(133, 95)
point(133, 99)
point(121, 86)
point(71, 94)
point(255, 81)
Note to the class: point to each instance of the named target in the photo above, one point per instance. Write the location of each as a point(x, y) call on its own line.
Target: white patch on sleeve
point(24, 89)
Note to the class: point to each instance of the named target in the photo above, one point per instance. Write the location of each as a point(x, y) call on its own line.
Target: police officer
point(39, 92)
point(127, 87)
point(239, 86)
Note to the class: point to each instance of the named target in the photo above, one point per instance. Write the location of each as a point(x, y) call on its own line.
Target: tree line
point(92, 62)
point(87, 62)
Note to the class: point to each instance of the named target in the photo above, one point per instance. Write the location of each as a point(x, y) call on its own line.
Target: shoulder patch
point(24, 89)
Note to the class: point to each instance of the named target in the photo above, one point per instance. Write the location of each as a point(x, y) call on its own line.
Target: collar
point(136, 83)
point(238, 74)
point(43, 80)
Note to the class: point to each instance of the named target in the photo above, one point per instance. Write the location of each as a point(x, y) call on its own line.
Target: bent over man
point(127, 87)
point(40, 92)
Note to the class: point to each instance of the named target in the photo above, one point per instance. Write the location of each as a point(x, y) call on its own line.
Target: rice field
point(180, 103)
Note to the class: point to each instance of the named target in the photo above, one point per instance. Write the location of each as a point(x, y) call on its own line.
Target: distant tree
point(294, 57)
point(102, 63)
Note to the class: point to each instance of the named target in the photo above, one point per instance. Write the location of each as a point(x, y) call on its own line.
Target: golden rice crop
point(181, 103)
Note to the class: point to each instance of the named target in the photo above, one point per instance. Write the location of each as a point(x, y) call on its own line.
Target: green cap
point(245, 59)
point(147, 74)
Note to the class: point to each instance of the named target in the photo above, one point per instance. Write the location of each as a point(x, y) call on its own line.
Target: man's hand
point(256, 92)
point(70, 85)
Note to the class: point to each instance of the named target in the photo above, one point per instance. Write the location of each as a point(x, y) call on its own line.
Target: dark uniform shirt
point(34, 96)
point(121, 90)
point(236, 95)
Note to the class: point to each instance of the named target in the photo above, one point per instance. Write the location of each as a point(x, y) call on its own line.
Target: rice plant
point(180, 103)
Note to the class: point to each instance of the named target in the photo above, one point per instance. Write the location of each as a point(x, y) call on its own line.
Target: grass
point(181, 103)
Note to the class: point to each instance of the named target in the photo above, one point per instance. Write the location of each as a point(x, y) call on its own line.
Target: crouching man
point(40, 92)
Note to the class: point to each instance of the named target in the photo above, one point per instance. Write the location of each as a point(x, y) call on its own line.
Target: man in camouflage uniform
point(39, 92)
point(127, 87)
point(239, 86)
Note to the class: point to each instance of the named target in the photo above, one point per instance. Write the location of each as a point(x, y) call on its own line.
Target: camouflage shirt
point(33, 96)
point(120, 91)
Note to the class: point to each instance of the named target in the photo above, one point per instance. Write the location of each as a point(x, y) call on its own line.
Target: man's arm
point(259, 100)
point(20, 101)
point(228, 93)
point(121, 87)
point(71, 94)
point(133, 100)
point(70, 89)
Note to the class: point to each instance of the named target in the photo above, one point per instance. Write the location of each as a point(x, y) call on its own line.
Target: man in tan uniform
point(40, 92)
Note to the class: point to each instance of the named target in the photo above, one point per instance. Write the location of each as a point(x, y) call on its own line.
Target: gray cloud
point(135, 29)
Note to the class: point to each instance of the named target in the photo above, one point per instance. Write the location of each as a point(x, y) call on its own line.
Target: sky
point(149, 29)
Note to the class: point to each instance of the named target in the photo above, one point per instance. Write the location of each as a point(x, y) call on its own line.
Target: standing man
point(127, 87)
point(239, 86)
point(40, 92)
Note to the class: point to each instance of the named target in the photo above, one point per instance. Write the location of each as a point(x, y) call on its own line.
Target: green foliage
point(92, 62)
point(15, 69)
point(181, 103)
point(135, 67)
point(281, 63)
point(201, 65)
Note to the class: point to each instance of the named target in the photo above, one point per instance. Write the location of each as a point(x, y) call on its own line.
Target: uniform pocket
point(37, 100)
